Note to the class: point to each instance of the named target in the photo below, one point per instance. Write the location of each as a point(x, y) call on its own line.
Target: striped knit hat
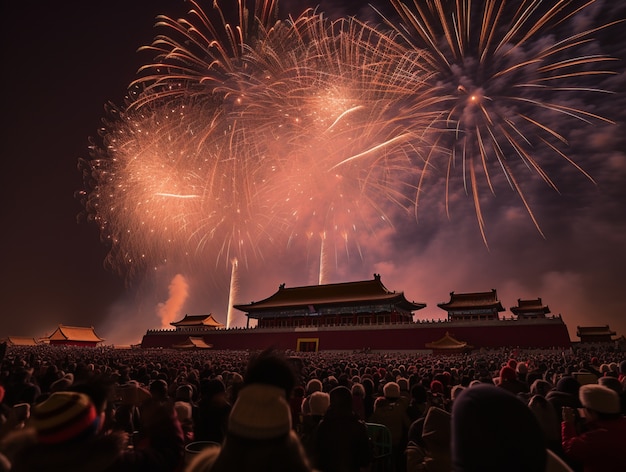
point(63, 417)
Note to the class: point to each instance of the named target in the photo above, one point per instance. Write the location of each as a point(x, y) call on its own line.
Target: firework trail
point(238, 135)
point(512, 74)
point(232, 316)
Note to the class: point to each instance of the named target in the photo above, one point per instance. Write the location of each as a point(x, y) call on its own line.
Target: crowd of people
point(102, 409)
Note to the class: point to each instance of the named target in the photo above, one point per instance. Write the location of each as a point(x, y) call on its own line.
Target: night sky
point(62, 61)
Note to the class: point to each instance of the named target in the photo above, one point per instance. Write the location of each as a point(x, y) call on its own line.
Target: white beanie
point(319, 402)
point(391, 390)
point(599, 398)
point(260, 412)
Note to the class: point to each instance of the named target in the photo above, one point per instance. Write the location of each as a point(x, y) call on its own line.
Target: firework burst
point(512, 74)
point(343, 110)
point(235, 135)
point(174, 179)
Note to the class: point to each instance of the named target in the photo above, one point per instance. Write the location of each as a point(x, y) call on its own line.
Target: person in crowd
point(621, 376)
point(232, 389)
point(548, 420)
point(183, 405)
point(437, 395)
point(564, 394)
point(391, 411)
point(127, 412)
point(313, 385)
point(403, 383)
point(65, 433)
point(260, 434)
point(45, 364)
point(418, 403)
point(295, 403)
point(508, 380)
point(210, 416)
point(369, 398)
point(341, 442)
point(21, 388)
point(159, 391)
point(600, 445)
point(358, 400)
point(493, 430)
point(318, 405)
point(540, 387)
point(62, 435)
point(436, 438)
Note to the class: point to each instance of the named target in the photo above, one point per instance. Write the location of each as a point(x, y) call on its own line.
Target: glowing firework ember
point(511, 73)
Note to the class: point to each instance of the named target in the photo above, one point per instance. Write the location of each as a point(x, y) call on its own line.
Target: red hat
point(507, 373)
point(436, 386)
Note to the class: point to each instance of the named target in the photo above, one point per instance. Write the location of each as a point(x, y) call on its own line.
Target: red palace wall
point(512, 333)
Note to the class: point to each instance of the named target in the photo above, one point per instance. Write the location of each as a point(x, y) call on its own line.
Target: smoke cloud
point(171, 309)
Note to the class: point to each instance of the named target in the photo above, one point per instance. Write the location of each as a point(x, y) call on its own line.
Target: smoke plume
point(170, 310)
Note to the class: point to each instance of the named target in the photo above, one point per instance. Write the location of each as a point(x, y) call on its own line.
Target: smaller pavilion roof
point(594, 331)
point(21, 341)
point(472, 300)
point(192, 343)
point(198, 320)
point(75, 333)
point(447, 342)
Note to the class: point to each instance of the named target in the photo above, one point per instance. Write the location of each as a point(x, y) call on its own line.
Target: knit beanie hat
point(211, 387)
point(436, 386)
point(494, 430)
point(540, 387)
point(260, 412)
point(313, 385)
point(184, 392)
point(568, 384)
point(341, 400)
point(437, 425)
point(391, 390)
point(599, 398)
point(456, 391)
point(64, 417)
point(158, 388)
point(63, 383)
point(507, 373)
point(318, 403)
